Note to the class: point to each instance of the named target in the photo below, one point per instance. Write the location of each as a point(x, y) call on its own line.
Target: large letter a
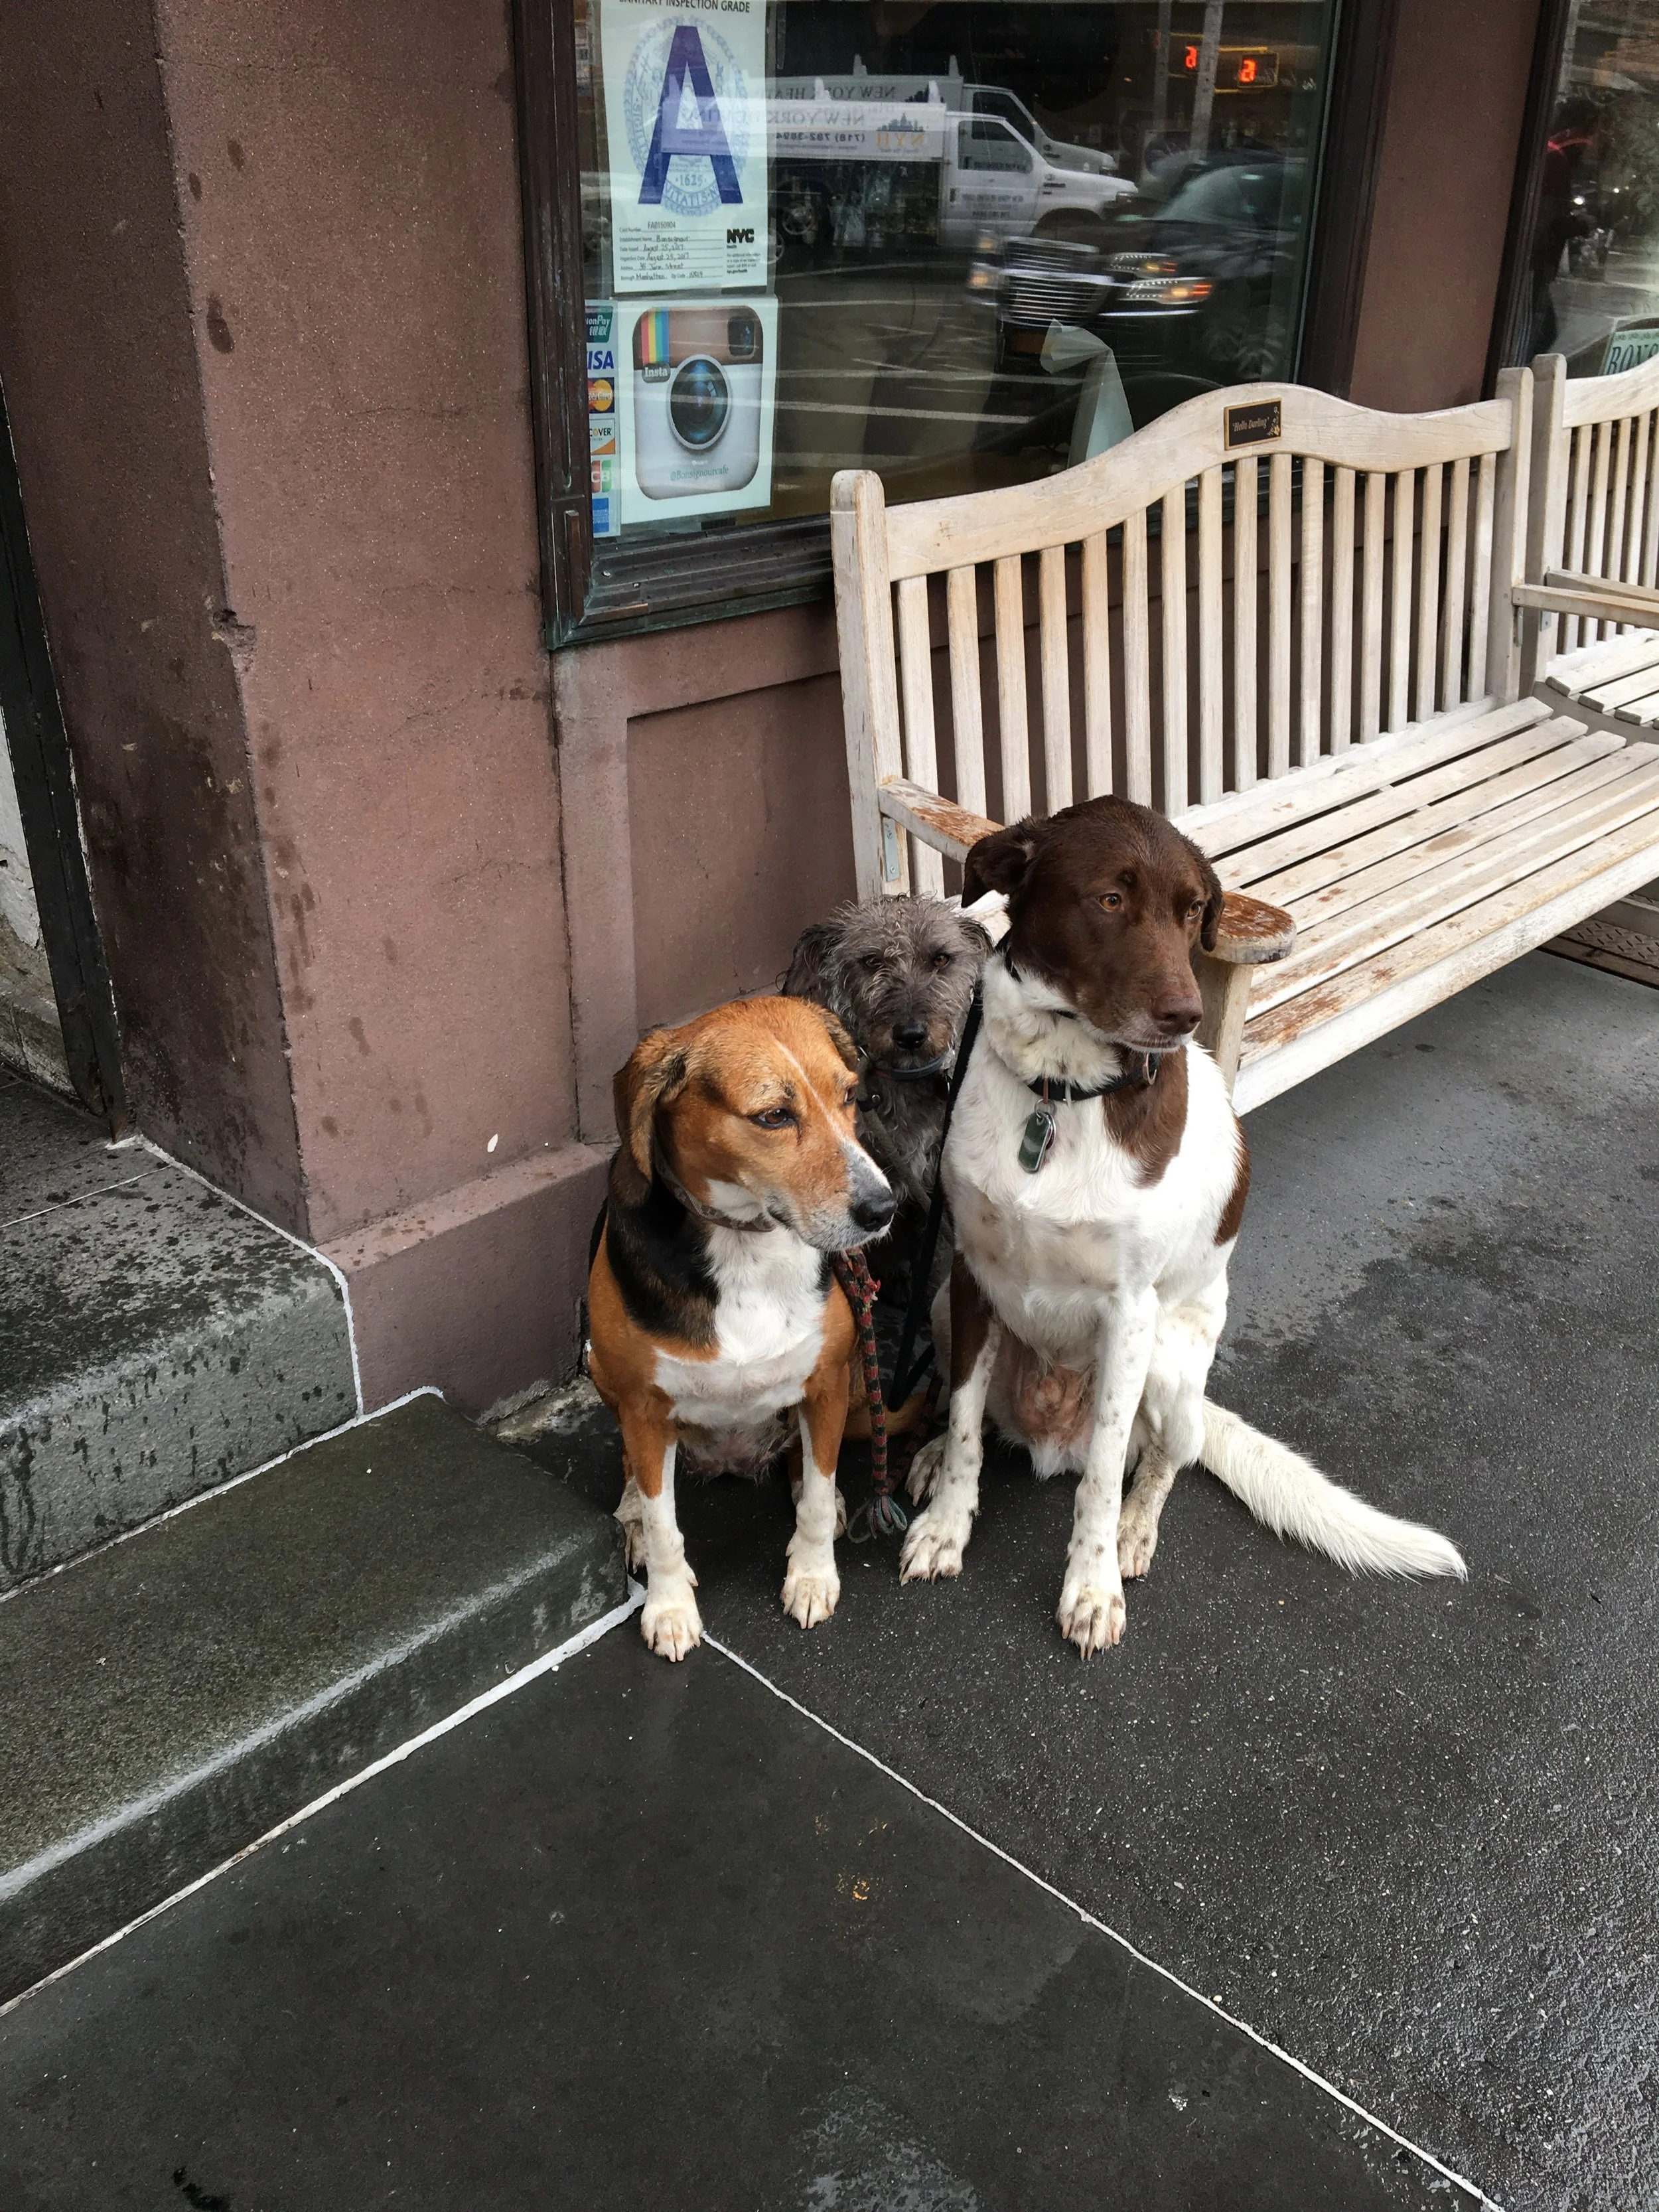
point(670, 136)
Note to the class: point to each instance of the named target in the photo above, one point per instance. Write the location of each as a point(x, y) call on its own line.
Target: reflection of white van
point(951, 90)
point(929, 169)
point(997, 100)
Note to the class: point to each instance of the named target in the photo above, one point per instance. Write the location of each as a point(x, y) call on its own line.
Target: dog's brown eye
point(775, 1117)
point(942, 959)
point(1109, 899)
point(871, 963)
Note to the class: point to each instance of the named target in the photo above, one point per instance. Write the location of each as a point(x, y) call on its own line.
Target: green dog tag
point(1039, 1136)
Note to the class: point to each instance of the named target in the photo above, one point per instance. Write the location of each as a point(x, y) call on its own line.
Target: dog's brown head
point(751, 1107)
point(899, 972)
point(1105, 903)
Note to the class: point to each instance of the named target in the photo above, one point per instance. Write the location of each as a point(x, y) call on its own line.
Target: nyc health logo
point(685, 104)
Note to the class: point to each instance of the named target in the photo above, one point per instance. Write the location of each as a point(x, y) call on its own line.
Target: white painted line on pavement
point(1319, 2081)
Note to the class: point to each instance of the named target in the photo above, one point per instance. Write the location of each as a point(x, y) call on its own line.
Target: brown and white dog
point(1097, 1175)
point(715, 1323)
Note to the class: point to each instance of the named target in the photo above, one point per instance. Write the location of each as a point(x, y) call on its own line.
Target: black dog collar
point(936, 1065)
point(1139, 1073)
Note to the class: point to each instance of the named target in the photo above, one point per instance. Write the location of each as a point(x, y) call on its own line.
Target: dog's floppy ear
point(805, 978)
point(1213, 896)
point(656, 1071)
point(840, 1038)
point(999, 862)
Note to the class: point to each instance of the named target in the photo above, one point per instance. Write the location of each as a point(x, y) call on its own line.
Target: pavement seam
point(548, 1663)
point(1308, 2072)
point(358, 1420)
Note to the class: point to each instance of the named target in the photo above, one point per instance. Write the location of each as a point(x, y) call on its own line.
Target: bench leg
point(1224, 987)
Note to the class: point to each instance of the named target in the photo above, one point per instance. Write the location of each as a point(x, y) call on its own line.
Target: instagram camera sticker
point(698, 376)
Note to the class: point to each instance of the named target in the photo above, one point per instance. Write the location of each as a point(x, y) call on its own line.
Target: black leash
point(907, 1376)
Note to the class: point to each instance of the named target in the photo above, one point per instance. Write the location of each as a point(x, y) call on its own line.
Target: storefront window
point(964, 243)
point(1593, 269)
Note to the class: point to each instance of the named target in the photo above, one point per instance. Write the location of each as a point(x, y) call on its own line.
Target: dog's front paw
point(669, 1621)
point(1137, 1541)
point(811, 1594)
point(1091, 1615)
point(924, 1470)
point(933, 1545)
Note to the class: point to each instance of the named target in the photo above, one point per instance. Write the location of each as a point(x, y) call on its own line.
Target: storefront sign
point(606, 393)
point(685, 109)
point(702, 389)
point(1627, 348)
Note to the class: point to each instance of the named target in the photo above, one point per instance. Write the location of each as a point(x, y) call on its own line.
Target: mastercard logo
point(601, 396)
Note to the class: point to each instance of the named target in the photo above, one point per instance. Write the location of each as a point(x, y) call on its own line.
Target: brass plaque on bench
point(1252, 425)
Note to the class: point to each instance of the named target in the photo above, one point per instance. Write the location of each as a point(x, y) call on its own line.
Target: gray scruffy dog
point(899, 974)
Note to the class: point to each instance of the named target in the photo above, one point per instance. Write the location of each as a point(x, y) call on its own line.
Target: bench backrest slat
point(1056, 676)
point(1010, 597)
point(1279, 501)
point(1312, 575)
point(1172, 599)
point(1097, 665)
point(1339, 722)
point(1365, 559)
point(968, 722)
point(1137, 662)
point(1212, 665)
point(1457, 549)
point(1430, 593)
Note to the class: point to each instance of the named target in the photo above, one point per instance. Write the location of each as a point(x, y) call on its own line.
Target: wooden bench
point(1325, 695)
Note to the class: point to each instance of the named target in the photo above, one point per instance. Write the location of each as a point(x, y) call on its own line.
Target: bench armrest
point(1599, 599)
point(1251, 932)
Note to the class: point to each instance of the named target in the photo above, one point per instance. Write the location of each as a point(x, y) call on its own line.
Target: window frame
point(612, 589)
point(1512, 312)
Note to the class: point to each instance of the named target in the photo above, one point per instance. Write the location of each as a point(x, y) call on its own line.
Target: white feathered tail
point(1290, 1495)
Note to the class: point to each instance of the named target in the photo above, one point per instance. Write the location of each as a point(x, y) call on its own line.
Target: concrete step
point(170, 1699)
point(155, 1338)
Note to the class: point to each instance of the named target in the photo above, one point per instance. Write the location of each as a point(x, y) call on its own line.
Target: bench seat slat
point(1446, 888)
point(1332, 782)
point(1405, 815)
point(1624, 690)
point(1292, 1041)
point(1552, 788)
point(1575, 675)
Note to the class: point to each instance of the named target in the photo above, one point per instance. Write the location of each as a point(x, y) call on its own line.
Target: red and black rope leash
point(881, 1515)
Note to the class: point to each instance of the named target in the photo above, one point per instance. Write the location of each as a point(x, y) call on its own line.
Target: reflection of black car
point(1197, 282)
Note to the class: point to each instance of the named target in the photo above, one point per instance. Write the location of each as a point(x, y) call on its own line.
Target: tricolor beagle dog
point(1097, 1174)
point(716, 1325)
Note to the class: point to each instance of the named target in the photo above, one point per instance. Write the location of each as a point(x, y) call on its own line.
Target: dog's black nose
point(908, 1035)
point(1177, 1012)
point(873, 1211)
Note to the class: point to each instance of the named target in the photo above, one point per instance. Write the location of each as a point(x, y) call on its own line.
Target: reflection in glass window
point(964, 243)
point(1594, 266)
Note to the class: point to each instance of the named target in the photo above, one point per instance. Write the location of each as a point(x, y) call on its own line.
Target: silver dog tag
point(1039, 1136)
